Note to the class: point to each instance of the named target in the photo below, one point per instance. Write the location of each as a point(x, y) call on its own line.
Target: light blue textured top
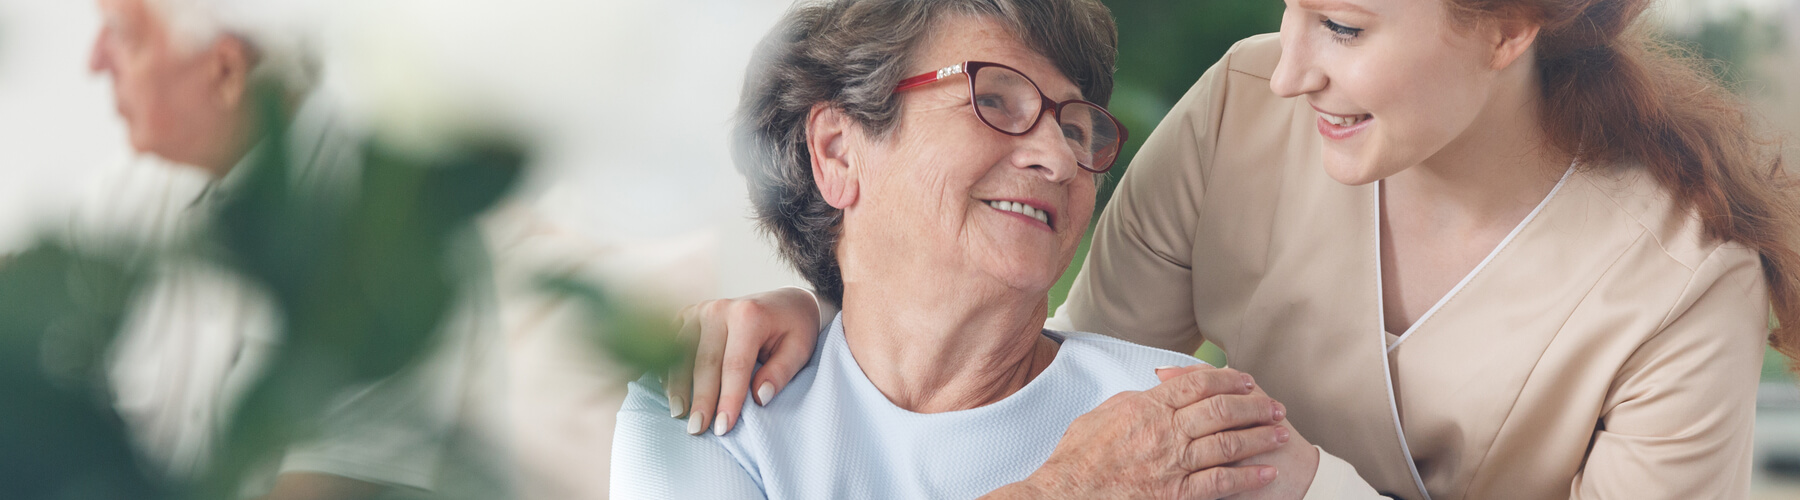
point(831, 434)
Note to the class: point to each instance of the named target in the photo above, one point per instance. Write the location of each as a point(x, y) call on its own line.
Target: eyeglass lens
point(1007, 101)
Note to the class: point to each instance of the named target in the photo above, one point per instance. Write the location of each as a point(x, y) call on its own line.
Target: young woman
point(1538, 261)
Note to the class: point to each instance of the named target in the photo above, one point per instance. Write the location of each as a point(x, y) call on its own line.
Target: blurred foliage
point(1732, 43)
point(363, 277)
point(1775, 366)
point(363, 282)
point(641, 338)
point(1164, 47)
point(59, 437)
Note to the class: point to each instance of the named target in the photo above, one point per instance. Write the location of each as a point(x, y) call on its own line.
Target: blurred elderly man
point(181, 78)
point(182, 74)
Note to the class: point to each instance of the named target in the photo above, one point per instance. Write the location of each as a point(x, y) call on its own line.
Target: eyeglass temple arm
point(929, 78)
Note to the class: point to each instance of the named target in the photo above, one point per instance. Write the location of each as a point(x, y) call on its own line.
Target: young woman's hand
point(777, 328)
point(1182, 439)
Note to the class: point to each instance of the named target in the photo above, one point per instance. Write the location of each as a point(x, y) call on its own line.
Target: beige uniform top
point(1607, 349)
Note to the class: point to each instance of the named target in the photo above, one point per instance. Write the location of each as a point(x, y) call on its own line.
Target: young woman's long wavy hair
point(1614, 91)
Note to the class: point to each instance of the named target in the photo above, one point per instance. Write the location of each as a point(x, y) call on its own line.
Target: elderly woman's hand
point(1297, 460)
point(777, 328)
point(1176, 440)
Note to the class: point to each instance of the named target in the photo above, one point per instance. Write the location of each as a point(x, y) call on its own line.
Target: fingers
point(747, 329)
point(1232, 411)
point(1220, 482)
point(786, 357)
point(1167, 373)
point(679, 384)
point(709, 360)
point(731, 336)
point(1230, 446)
point(1201, 384)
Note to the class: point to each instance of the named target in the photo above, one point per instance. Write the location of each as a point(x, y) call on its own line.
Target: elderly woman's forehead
point(958, 37)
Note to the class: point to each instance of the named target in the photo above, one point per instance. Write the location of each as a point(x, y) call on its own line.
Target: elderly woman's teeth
point(1344, 121)
point(1023, 209)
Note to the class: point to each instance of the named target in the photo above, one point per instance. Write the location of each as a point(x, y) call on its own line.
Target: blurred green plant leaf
point(1164, 47)
point(642, 338)
point(364, 281)
point(61, 439)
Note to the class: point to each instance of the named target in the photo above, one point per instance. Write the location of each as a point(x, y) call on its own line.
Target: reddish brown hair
point(1613, 91)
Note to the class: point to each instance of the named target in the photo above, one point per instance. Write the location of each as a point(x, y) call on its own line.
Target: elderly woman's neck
point(946, 349)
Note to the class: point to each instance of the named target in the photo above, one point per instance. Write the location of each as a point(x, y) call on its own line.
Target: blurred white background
point(629, 104)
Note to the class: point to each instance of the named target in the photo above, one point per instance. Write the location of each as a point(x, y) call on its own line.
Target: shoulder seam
point(1688, 288)
point(1249, 74)
point(1646, 227)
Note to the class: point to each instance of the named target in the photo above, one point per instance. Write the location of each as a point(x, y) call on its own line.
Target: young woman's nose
point(1295, 73)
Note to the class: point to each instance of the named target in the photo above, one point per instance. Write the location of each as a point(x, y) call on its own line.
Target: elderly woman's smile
point(1035, 210)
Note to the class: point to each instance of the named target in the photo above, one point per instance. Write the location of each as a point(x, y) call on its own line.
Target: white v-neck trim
point(1387, 370)
point(1466, 278)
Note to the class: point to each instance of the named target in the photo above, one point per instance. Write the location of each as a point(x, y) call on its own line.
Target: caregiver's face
point(942, 193)
point(1393, 81)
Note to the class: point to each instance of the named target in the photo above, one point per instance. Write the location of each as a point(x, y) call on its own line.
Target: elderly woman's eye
point(1076, 134)
point(993, 101)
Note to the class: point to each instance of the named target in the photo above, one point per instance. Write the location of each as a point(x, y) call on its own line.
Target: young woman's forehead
point(1334, 5)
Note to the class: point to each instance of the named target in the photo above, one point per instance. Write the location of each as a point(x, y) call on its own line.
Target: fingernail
point(765, 393)
point(1167, 367)
point(719, 424)
point(677, 406)
point(1281, 435)
point(1280, 411)
point(1249, 383)
point(696, 424)
point(1267, 473)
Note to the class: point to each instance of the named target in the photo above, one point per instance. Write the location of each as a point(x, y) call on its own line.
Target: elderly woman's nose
point(1046, 151)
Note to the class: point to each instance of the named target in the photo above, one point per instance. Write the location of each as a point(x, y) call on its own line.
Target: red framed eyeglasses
point(1009, 102)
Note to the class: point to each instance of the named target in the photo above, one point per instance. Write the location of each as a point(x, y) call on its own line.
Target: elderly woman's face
point(939, 196)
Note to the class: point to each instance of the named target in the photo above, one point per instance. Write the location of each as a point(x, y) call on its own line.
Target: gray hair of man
point(851, 54)
point(279, 32)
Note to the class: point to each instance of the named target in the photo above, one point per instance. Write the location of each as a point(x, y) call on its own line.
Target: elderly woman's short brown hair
point(850, 54)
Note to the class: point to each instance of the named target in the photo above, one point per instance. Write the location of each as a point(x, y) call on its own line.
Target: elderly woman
point(932, 164)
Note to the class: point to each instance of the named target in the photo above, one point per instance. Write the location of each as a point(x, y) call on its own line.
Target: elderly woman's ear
point(827, 136)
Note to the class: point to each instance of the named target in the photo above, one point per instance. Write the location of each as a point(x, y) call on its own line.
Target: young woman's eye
point(1340, 32)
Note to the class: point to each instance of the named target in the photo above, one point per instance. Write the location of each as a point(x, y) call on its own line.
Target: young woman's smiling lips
point(1339, 127)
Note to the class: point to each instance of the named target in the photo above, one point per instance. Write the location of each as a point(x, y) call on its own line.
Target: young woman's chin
point(1351, 170)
